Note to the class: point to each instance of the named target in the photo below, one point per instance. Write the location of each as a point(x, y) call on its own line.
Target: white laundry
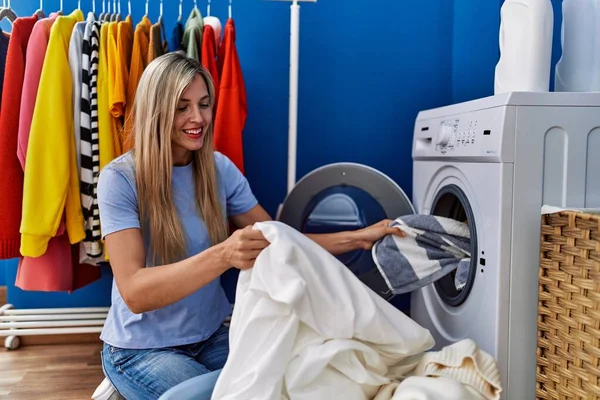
point(423, 388)
point(460, 371)
point(463, 362)
point(304, 328)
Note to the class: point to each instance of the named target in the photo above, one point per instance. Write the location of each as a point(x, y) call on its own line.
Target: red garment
point(11, 184)
point(232, 108)
point(209, 60)
point(58, 270)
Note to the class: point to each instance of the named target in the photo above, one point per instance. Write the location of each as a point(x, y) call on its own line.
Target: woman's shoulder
point(223, 164)
point(220, 159)
point(123, 163)
point(121, 168)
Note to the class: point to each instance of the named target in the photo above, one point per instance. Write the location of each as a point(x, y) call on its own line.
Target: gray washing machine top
point(342, 197)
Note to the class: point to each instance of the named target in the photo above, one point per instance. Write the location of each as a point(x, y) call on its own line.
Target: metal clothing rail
point(293, 101)
point(48, 321)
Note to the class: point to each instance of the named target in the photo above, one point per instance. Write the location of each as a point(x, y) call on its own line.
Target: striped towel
point(432, 248)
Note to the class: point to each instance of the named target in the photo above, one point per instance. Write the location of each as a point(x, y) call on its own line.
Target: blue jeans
point(148, 373)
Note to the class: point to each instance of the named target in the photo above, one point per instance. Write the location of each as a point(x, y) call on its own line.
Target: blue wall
point(366, 69)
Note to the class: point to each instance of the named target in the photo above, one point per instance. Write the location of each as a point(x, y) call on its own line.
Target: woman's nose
point(197, 115)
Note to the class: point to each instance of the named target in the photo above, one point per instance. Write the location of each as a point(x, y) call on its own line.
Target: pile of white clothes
point(305, 328)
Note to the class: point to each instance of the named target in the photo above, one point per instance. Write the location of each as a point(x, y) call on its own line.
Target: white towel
point(304, 328)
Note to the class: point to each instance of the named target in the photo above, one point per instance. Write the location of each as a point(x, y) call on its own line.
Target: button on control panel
point(454, 135)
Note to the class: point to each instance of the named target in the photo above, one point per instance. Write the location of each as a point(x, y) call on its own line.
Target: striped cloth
point(432, 248)
point(90, 149)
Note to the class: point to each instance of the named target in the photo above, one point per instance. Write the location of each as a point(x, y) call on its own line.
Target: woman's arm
point(334, 243)
point(145, 289)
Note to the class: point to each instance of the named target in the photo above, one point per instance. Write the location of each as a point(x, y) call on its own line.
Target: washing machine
point(494, 162)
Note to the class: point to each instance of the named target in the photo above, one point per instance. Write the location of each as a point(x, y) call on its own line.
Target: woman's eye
point(182, 108)
point(204, 105)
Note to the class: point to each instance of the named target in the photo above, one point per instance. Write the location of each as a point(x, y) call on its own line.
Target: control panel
point(485, 135)
point(450, 136)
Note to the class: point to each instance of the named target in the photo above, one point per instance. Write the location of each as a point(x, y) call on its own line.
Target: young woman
point(164, 209)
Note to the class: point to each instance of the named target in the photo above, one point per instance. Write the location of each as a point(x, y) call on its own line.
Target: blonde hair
point(160, 89)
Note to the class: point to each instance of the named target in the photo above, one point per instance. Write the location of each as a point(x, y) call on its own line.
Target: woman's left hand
point(366, 237)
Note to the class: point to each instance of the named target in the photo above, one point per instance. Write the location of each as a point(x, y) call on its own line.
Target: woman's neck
point(181, 160)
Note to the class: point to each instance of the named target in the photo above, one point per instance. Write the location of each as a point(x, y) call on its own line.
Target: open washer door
point(342, 197)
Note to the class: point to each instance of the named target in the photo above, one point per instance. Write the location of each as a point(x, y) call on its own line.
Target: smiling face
point(193, 116)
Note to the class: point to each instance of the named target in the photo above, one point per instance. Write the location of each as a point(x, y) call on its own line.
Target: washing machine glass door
point(345, 197)
point(451, 202)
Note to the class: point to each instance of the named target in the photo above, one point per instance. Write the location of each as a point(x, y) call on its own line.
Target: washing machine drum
point(344, 197)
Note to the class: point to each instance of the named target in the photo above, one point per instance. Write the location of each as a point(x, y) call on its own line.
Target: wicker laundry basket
point(568, 349)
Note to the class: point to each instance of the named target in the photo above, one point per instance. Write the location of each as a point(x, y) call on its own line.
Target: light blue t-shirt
point(197, 316)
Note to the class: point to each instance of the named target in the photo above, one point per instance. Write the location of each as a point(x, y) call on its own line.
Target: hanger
point(40, 11)
point(146, 14)
point(180, 10)
point(160, 14)
point(8, 13)
point(113, 16)
point(230, 8)
point(101, 17)
point(60, 8)
point(208, 9)
point(129, 8)
point(117, 8)
point(79, 4)
point(108, 13)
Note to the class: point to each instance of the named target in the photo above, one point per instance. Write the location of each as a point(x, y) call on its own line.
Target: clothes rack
point(48, 321)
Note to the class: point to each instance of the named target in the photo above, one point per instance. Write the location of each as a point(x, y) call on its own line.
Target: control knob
point(445, 134)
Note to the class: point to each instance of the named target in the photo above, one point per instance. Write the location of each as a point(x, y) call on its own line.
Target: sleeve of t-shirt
point(117, 202)
point(240, 198)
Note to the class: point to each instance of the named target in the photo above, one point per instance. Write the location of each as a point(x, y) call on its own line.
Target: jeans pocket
point(121, 358)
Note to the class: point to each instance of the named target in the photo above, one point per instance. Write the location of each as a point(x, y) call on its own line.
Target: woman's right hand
point(243, 247)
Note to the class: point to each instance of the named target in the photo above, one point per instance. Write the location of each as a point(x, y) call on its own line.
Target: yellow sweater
point(51, 184)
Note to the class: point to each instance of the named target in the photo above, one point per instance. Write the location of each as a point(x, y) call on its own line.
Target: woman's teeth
point(192, 131)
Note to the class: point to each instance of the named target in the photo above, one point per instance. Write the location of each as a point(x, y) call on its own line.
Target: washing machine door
point(346, 197)
point(479, 194)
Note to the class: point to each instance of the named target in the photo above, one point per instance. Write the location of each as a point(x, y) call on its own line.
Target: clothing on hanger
point(109, 148)
point(209, 60)
point(51, 180)
point(36, 52)
point(176, 37)
point(232, 109)
point(139, 61)
point(192, 35)
point(52, 224)
point(11, 184)
point(91, 250)
point(4, 41)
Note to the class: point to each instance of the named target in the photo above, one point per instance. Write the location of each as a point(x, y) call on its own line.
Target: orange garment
point(124, 47)
point(139, 61)
point(208, 56)
point(121, 60)
point(232, 108)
